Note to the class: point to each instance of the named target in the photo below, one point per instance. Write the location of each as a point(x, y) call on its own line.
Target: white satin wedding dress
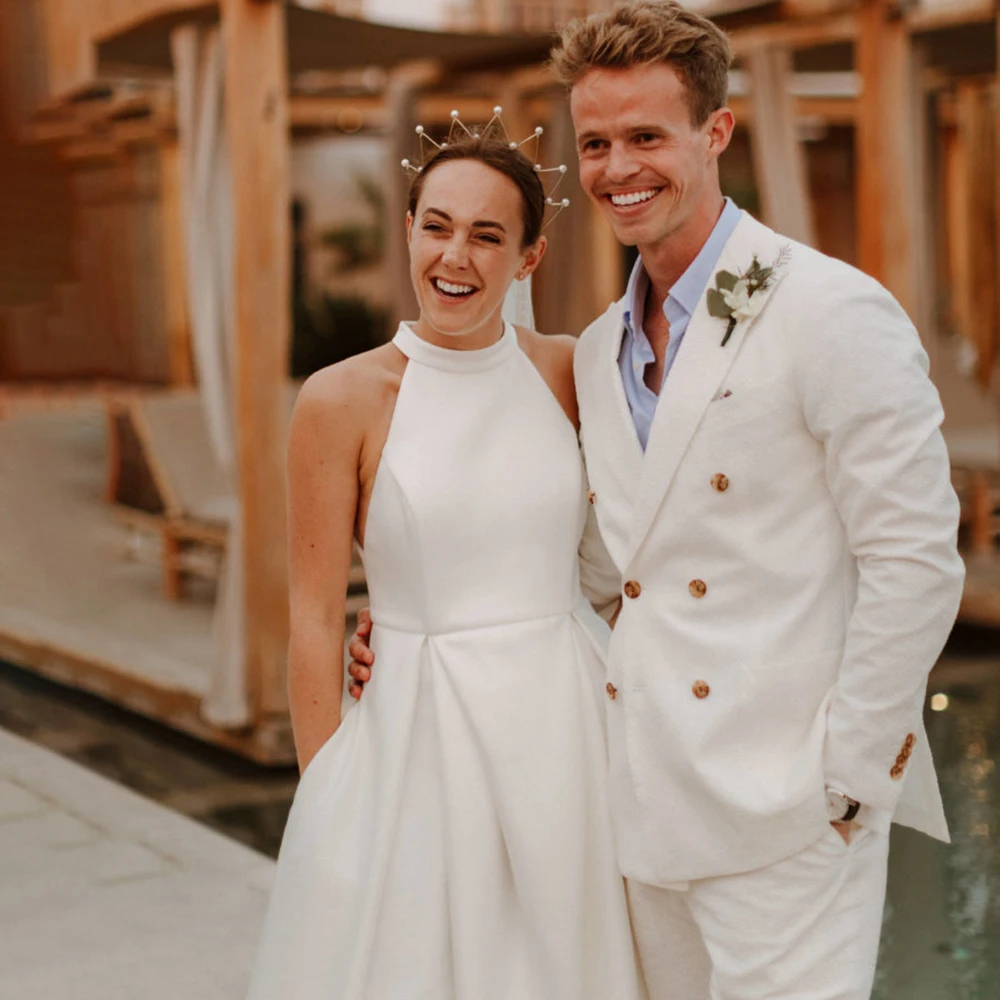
point(451, 841)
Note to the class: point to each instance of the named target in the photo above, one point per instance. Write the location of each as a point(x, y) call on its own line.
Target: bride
point(450, 837)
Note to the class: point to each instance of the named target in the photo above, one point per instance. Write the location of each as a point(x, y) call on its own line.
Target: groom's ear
point(719, 129)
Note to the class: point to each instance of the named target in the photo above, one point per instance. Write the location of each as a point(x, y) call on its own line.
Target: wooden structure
point(89, 107)
point(867, 128)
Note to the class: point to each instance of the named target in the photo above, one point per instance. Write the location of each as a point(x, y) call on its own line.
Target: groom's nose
point(621, 164)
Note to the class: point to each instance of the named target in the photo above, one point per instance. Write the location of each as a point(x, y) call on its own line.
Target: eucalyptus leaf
point(717, 307)
point(726, 281)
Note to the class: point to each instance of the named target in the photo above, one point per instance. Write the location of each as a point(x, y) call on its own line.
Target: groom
point(776, 536)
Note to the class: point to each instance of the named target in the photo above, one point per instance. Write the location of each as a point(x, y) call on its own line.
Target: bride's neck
point(470, 340)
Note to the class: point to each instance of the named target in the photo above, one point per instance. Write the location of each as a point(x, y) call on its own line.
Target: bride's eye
point(494, 240)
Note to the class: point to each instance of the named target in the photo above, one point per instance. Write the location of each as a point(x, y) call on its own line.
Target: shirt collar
point(687, 290)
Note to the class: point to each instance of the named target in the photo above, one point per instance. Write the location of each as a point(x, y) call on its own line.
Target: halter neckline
point(452, 360)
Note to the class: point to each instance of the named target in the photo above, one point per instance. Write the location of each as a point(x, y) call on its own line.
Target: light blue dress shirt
point(636, 351)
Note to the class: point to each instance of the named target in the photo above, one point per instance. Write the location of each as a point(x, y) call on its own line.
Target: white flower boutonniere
point(735, 297)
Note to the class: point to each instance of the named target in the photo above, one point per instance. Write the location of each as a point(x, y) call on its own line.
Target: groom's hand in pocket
point(362, 658)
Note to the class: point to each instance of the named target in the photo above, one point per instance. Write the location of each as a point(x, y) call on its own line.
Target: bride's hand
point(362, 658)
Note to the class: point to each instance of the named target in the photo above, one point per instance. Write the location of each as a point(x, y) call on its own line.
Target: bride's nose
point(456, 252)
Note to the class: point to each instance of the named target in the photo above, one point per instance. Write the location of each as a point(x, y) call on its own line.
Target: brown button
point(897, 772)
point(701, 689)
point(612, 691)
point(592, 497)
point(698, 588)
point(633, 589)
point(720, 483)
point(910, 742)
point(904, 754)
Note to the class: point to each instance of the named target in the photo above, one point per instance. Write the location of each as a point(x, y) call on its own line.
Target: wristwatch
point(840, 808)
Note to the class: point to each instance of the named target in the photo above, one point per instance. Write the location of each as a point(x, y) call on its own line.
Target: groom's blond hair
point(645, 32)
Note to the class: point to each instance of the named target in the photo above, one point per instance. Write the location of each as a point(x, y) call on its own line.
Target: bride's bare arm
point(324, 447)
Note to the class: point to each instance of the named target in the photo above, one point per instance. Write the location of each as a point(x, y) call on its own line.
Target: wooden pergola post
point(778, 156)
point(976, 125)
point(402, 94)
point(256, 114)
point(893, 202)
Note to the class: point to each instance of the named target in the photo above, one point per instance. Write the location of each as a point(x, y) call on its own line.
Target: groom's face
point(642, 160)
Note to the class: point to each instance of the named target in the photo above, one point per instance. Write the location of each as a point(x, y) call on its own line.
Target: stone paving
point(105, 894)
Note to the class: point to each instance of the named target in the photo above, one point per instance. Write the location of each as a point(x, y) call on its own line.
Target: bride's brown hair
point(498, 155)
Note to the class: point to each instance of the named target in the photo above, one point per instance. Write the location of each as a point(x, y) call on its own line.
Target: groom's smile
point(628, 199)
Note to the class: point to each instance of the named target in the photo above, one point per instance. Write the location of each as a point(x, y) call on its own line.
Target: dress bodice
point(479, 498)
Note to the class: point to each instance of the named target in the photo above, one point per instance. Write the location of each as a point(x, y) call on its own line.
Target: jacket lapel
point(701, 365)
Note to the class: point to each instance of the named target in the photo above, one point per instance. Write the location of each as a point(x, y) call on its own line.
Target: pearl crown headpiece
point(496, 128)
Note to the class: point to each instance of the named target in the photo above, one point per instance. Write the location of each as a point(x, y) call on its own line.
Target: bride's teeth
point(451, 289)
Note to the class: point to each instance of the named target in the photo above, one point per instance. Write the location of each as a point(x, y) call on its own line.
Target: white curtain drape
point(210, 273)
point(517, 306)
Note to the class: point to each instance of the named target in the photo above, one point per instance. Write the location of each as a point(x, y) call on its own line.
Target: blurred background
point(201, 203)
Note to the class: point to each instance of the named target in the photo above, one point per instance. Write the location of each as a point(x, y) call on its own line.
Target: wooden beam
point(779, 161)
point(269, 743)
point(797, 34)
point(829, 110)
point(956, 12)
point(256, 113)
point(348, 114)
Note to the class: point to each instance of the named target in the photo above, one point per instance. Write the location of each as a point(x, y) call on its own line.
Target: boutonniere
point(736, 296)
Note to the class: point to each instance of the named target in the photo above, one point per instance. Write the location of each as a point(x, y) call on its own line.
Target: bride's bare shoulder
point(347, 396)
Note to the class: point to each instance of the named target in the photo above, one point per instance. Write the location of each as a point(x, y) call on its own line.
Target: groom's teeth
point(449, 289)
point(621, 200)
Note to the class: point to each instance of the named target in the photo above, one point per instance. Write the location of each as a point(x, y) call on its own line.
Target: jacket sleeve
point(866, 397)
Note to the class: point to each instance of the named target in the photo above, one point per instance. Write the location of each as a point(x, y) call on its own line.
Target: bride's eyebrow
point(479, 224)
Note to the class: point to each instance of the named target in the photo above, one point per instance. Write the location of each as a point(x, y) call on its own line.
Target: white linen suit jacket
point(786, 548)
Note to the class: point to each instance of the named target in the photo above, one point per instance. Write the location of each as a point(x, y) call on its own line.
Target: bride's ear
point(532, 257)
point(409, 226)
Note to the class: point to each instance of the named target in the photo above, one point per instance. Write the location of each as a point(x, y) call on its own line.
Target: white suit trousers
point(806, 928)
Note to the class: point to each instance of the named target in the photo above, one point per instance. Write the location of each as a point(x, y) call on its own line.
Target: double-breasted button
point(897, 772)
point(700, 689)
point(698, 588)
point(910, 742)
point(632, 589)
point(592, 497)
point(720, 483)
point(612, 691)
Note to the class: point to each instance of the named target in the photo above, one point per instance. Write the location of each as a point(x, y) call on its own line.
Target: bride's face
point(465, 250)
